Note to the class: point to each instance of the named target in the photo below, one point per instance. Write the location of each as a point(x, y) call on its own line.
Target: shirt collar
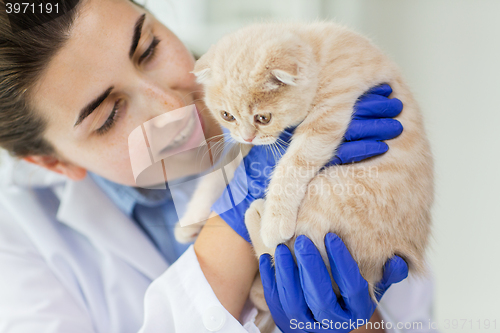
point(127, 197)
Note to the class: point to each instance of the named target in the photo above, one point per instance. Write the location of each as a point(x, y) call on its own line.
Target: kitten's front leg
point(285, 192)
point(308, 152)
point(314, 143)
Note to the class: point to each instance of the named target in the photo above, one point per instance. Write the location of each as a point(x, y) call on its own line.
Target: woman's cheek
point(173, 66)
point(118, 169)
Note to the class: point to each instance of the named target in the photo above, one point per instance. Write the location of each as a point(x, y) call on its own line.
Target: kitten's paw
point(276, 228)
point(253, 222)
point(188, 233)
point(253, 215)
point(271, 235)
point(194, 217)
point(190, 230)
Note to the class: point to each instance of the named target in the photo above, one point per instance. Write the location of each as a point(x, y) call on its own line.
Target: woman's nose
point(160, 100)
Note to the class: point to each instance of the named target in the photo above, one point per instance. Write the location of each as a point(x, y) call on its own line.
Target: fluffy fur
point(311, 75)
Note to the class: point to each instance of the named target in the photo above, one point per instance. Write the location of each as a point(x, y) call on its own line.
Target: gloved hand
point(370, 125)
point(300, 295)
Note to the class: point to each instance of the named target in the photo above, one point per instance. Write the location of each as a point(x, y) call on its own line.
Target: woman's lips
point(182, 136)
point(187, 136)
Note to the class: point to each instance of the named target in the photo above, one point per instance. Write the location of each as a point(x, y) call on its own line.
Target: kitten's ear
point(284, 77)
point(287, 62)
point(201, 75)
point(202, 66)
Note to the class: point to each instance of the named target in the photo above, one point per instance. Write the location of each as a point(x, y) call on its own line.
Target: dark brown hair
point(24, 54)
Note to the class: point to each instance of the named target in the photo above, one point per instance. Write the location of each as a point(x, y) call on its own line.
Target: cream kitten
point(267, 77)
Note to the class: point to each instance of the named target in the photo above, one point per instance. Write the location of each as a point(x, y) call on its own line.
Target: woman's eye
point(150, 52)
point(227, 116)
point(263, 119)
point(111, 119)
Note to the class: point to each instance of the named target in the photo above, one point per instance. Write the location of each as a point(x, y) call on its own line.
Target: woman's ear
point(202, 69)
point(54, 164)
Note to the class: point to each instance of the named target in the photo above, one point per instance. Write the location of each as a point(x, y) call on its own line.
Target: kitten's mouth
point(264, 140)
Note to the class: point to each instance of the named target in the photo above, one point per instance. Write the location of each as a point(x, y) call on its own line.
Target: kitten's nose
point(249, 139)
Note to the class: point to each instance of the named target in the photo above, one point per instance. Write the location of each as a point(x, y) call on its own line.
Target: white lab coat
point(82, 266)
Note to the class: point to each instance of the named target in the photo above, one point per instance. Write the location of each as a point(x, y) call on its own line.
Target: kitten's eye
point(263, 118)
point(227, 116)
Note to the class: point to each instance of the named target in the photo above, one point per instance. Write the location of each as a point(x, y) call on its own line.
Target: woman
point(78, 247)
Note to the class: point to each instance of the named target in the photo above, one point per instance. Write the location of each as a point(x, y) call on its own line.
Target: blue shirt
point(152, 210)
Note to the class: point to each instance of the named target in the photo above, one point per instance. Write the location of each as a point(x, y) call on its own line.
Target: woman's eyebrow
point(87, 111)
point(137, 35)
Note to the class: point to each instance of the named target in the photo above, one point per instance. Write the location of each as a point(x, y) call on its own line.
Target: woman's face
point(119, 69)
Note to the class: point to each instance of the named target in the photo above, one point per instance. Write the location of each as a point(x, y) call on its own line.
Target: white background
point(449, 51)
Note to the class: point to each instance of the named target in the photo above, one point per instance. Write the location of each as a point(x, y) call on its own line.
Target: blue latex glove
point(301, 294)
point(370, 125)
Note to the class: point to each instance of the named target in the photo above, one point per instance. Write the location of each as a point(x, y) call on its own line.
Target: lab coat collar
point(86, 208)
